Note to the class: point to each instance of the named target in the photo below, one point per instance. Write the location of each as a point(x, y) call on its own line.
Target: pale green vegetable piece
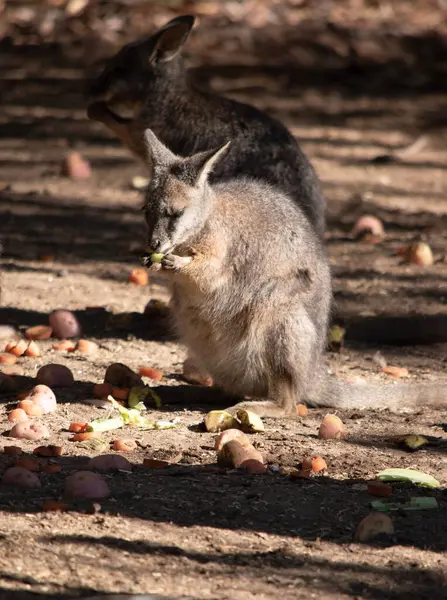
point(156, 258)
point(151, 258)
point(155, 397)
point(138, 395)
point(336, 334)
point(413, 441)
point(133, 416)
point(106, 424)
point(419, 503)
point(219, 420)
point(417, 477)
point(166, 424)
point(250, 421)
point(129, 415)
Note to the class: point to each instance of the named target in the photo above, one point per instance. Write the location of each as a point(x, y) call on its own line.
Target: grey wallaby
point(251, 288)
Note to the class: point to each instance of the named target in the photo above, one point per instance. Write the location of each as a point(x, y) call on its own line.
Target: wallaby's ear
point(170, 38)
point(202, 164)
point(158, 153)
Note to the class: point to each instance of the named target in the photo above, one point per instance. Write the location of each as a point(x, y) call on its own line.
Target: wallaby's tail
point(400, 397)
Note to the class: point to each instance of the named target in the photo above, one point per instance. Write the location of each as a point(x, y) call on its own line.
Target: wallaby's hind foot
point(284, 405)
point(263, 408)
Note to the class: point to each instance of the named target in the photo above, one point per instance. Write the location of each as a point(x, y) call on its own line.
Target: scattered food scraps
point(219, 420)
point(415, 503)
point(420, 254)
point(396, 372)
point(373, 525)
point(332, 428)
point(417, 477)
point(336, 338)
point(250, 422)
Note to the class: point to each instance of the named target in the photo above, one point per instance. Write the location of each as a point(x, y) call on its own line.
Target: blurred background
point(404, 40)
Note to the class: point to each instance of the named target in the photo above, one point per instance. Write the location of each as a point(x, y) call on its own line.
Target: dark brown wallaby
point(251, 288)
point(146, 85)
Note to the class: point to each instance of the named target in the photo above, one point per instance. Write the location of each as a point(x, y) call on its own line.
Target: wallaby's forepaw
point(192, 373)
point(173, 262)
point(263, 408)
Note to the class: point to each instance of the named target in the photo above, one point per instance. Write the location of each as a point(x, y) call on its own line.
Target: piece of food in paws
point(152, 258)
point(157, 257)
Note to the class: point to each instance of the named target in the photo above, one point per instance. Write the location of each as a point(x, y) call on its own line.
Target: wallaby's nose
point(155, 245)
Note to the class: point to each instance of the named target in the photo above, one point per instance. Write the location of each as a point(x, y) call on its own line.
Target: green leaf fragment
point(132, 416)
point(129, 416)
point(136, 397)
point(166, 424)
point(139, 395)
point(336, 334)
point(417, 477)
point(155, 397)
point(156, 258)
point(101, 425)
point(421, 503)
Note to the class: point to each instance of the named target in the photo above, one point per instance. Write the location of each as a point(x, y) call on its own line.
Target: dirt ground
point(192, 532)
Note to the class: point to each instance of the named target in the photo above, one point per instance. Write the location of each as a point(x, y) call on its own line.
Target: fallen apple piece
point(219, 420)
point(250, 421)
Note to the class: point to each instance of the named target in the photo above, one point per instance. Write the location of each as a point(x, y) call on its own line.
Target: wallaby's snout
point(160, 228)
point(167, 222)
point(159, 239)
point(155, 244)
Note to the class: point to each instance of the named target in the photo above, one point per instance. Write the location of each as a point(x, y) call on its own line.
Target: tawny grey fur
point(146, 85)
point(251, 288)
